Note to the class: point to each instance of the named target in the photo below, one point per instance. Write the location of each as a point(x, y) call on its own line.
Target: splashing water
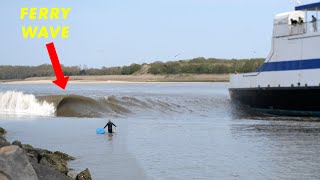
point(18, 103)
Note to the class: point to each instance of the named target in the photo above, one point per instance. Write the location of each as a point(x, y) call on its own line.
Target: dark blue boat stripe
point(308, 6)
point(291, 65)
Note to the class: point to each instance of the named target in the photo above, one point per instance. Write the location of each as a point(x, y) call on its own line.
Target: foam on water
point(18, 103)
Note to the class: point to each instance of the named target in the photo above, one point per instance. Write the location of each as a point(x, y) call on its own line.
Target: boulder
point(3, 142)
point(27, 146)
point(57, 159)
point(2, 139)
point(46, 171)
point(23, 161)
point(17, 143)
point(2, 131)
point(84, 175)
point(14, 164)
point(57, 162)
point(64, 156)
point(3, 176)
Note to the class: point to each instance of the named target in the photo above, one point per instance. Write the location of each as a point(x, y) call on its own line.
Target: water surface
point(165, 131)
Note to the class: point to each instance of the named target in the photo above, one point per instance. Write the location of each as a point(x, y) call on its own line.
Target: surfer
point(109, 124)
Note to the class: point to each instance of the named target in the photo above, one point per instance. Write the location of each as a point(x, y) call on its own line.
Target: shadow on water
point(249, 122)
point(239, 111)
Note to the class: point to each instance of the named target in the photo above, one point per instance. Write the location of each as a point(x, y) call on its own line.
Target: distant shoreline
point(146, 78)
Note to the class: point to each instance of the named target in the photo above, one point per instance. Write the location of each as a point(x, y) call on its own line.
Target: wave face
point(82, 106)
point(18, 103)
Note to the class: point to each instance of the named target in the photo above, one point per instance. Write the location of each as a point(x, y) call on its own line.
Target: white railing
point(312, 26)
point(297, 29)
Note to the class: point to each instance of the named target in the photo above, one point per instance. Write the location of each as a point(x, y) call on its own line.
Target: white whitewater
point(18, 103)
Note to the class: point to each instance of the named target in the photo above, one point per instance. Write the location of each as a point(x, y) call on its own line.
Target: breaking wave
point(81, 106)
point(18, 103)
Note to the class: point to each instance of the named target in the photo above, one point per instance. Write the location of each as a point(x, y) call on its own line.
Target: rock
point(4, 176)
point(2, 131)
point(17, 143)
point(57, 162)
point(3, 142)
point(72, 175)
point(64, 156)
point(14, 164)
point(23, 161)
point(26, 146)
point(2, 139)
point(84, 175)
point(46, 171)
point(57, 159)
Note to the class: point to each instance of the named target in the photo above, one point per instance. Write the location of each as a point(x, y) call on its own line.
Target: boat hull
point(304, 101)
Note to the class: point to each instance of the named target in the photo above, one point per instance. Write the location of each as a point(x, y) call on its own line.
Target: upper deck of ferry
point(294, 58)
point(309, 13)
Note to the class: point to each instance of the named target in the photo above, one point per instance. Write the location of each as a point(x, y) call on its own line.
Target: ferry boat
point(288, 83)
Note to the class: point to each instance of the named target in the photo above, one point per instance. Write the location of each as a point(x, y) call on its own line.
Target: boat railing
point(312, 27)
point(298, 29)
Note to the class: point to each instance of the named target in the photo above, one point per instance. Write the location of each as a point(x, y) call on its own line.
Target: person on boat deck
point(301, 26)
point(109, 124)
point(314, 24)
point(300, 21)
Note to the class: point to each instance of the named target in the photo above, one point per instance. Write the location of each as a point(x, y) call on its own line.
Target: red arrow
point(61, 81)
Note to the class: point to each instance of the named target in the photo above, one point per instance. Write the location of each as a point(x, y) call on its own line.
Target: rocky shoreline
point(22, 161)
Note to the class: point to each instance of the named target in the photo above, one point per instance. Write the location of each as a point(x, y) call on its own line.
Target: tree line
point(193, 66)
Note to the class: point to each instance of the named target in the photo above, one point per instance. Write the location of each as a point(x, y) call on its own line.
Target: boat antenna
point(177, 55)
point(298, 2)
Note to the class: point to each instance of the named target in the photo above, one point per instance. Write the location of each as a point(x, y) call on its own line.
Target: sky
point(115, 33)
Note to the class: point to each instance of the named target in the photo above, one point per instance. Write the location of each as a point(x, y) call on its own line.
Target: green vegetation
point(193, 66)
point(206, 66)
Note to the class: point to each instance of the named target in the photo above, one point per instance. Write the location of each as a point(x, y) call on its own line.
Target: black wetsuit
point(110, 124)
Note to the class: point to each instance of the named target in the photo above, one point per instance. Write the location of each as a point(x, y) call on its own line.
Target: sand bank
point(182, 78)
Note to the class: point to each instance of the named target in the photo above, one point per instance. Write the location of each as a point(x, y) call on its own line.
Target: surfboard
point(100, 131)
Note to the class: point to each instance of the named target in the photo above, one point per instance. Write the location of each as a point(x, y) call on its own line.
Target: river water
point(165, 131)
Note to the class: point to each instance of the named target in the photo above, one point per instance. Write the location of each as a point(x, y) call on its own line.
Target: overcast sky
point(121, 32)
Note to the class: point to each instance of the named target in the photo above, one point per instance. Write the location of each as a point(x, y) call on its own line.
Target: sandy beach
point(182, 78)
